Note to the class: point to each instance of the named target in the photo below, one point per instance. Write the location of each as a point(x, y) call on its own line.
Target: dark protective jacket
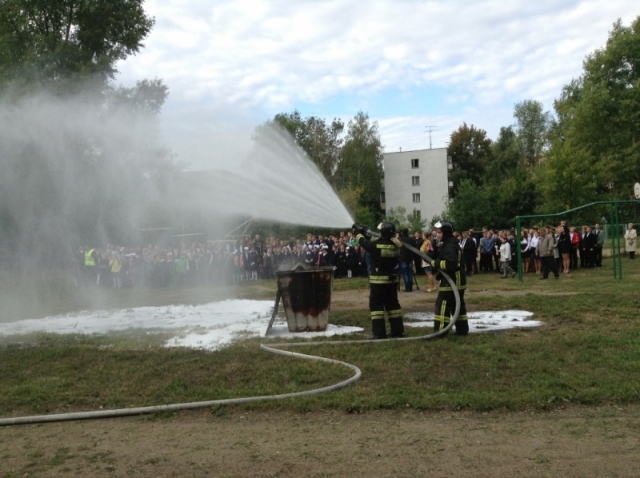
point(384, 259)
point(405, 254)
point(450, 260)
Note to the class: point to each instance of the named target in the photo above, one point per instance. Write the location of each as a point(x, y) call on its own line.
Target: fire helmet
point(387, 229)
point(445, 227)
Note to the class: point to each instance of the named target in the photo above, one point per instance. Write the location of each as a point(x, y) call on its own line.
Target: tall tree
point(471, 151)
point(80, 164)
point(472, 207)
point(599, 113)
point(360, 163)
point(55, 43)
point(532, 124)
point(506, 157)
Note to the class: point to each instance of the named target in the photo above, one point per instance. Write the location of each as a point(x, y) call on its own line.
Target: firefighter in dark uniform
point(383, 281)
point(449, 259)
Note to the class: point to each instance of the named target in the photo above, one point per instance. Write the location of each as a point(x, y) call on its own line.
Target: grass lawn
point(587, 353)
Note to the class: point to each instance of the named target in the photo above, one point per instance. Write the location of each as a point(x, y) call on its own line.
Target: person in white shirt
point(505, 257)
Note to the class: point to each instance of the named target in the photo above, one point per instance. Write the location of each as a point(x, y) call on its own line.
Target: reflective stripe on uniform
point(377, 314)
point(443, 308)
point(448, 289)
point(358, 237)
point(395, 314)
point(382, 279)
point(388, 250)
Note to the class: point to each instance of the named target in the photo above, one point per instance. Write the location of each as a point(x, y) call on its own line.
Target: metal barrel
point(306, 296)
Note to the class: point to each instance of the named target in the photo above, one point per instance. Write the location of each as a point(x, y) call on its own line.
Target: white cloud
point(271, 55)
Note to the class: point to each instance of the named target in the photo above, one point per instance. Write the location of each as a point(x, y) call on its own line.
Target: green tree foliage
point(147, 97)
point(471, 151)
point(80, 159)
point(360, 164)
point(57, 43)
point(399, 218)
point(516, 195)
point(599, 115)
point(532, 125)
point(569, 178)
point(506, 158)
point(472, 206)
point(321, 141)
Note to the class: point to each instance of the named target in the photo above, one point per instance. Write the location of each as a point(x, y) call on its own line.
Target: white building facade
point(418, 181)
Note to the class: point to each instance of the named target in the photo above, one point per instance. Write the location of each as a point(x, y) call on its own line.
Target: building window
point(383, 198)
point(416, 214)
point(415, 180)
point(416, 197)
point(415, 164)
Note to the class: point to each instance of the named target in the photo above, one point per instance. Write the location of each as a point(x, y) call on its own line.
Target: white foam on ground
point(210, 326)
point(482, 321)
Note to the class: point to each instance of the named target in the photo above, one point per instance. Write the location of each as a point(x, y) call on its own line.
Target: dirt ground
point(578, 442)
point(572, 442)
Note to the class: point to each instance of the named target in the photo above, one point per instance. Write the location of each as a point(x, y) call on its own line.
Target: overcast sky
point(410, 65)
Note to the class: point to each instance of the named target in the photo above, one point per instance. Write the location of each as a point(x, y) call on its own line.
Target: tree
point(360, 164)
point(148, 96)
point(84, 163)
point(599, 115)
point(398, 217)
point(516, 195)
point(471, 152)
point(472, 206)
point(55, 44)
point(569, 178)
point(506, 157)
point(532, 124)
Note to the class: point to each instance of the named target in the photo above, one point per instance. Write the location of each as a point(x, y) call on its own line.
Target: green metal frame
point(616, 239)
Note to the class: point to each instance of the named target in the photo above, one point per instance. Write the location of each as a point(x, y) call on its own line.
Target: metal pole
point(617, 241)
point(519, 251)
point(613, 233)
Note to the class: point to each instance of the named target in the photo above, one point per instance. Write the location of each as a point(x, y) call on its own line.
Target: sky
point(412, 66)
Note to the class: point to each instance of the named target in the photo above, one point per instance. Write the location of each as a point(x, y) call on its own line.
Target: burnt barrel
point(306, 296)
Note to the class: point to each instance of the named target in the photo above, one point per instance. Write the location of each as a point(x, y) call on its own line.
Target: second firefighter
point(449, 259)
point(383, 281)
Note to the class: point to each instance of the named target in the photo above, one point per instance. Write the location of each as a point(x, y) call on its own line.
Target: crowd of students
point(544, 250)
point(223, 262)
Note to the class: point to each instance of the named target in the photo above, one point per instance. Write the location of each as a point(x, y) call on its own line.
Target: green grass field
point(587, 353)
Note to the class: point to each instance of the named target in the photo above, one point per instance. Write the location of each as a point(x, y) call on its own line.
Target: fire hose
point(273, 348)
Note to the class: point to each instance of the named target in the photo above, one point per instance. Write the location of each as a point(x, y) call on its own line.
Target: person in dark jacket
point(406, 260)
point(417, 260)
point(383, 281)
point(449, 259)
point(564, 248)
point(469, 251)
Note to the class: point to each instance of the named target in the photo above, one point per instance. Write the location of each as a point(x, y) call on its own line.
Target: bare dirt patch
point(230, 443)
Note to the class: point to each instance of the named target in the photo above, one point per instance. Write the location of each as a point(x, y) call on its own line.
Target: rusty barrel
point(306, 296)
